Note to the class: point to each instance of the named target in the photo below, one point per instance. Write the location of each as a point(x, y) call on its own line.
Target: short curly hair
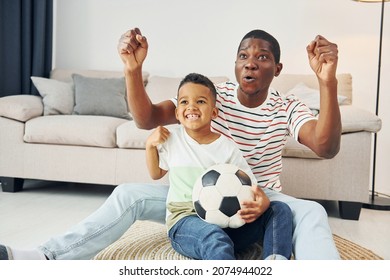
point(199, 79)
point(261, 34)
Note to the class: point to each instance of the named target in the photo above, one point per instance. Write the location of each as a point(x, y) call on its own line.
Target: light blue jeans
point(312, 237)
point(193, 237)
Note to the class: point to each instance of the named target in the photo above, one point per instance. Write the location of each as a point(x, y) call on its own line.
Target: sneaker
point(5, 253)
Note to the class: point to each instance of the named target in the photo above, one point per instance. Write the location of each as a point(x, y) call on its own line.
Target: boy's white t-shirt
point(186, 160)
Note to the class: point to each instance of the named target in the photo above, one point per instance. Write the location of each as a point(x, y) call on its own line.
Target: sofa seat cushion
point(129, 136)
point(355, 119)
point(294, 149)
point(97, 131)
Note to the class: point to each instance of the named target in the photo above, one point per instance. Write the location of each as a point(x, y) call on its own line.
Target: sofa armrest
point(354, 119)
point(21, 107)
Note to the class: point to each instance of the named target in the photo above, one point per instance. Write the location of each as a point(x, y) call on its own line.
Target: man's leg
point(312, 236)
point(273, 228)
point(126, 204)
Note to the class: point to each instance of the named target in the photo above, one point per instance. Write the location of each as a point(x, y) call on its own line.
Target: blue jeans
point(312, 237)
point(194, 238)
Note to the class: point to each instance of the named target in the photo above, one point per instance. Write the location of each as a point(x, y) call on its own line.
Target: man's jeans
point(197, 239)
point(312, 237)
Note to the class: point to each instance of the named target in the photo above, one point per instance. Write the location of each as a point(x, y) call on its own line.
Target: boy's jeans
point(312, 237)
point(197, 239)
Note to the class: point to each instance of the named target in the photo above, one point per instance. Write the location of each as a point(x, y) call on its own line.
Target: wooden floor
point(44, 209)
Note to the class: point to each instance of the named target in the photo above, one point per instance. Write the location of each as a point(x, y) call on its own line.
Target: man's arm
point(133, 48)
point(254, 209)
point(323, 135)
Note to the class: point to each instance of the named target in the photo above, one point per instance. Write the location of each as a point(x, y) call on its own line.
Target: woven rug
point(148, 241)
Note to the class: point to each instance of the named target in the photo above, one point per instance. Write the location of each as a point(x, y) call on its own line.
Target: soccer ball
point(218, 193)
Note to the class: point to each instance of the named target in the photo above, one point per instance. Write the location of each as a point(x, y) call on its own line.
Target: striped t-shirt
point(261, 132)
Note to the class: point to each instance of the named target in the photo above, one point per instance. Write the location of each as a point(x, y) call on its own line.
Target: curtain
point(26, 31)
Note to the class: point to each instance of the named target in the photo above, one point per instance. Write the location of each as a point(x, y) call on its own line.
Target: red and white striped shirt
point(260, 132)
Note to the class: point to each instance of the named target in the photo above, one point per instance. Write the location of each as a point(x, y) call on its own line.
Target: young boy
point(187, 152)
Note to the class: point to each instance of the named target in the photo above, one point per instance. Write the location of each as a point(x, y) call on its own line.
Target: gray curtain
point(26, 31)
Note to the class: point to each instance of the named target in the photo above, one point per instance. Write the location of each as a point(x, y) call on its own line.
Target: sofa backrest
point(65, 75)
point(285, 82)
point(162, 88)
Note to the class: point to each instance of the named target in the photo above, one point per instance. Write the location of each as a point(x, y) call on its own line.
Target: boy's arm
point(159, 136)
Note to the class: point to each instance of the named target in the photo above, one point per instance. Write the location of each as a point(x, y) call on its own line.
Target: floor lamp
point(376, 202)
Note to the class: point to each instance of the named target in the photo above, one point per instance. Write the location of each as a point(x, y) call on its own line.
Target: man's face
point(255, 68)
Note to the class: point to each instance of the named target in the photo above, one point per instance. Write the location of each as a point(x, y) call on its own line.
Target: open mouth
point(248, 79)
point(192, 117)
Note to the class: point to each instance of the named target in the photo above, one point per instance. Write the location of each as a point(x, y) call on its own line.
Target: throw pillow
point(100, 96)
point(310, 96)
point(57, 96)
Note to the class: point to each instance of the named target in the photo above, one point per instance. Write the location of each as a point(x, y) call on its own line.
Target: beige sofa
point(40, 141)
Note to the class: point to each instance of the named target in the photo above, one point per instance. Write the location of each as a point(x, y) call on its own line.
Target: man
point(257, 63)
point(241, 106)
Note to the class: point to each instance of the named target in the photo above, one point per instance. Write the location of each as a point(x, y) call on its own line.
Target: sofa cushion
point(284, 82)
point(310, 96)
point(100, 96)
point(65, 75)
point(295, 149)
point(21, 107)
point(97, 131)
point(355, 119)
point(129, 136)
point(57, 97)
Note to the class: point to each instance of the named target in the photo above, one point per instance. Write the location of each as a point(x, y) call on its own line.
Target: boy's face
point(195, 107)
point(255, 67)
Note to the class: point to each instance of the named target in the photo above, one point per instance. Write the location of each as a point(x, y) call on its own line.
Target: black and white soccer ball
point(218, 193)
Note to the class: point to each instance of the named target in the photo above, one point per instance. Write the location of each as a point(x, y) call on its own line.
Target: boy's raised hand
point(157, 137)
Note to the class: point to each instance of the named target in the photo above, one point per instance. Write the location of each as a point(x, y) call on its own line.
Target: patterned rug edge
point(148, 240)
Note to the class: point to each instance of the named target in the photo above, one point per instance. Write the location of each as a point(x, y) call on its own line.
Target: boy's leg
point(312, 236)
point(126, 204)
point(196, 239)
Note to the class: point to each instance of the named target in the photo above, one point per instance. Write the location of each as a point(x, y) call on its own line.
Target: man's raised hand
point(323, 57)
point(133, 48)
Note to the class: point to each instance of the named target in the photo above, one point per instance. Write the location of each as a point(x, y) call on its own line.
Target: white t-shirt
point(186, 160)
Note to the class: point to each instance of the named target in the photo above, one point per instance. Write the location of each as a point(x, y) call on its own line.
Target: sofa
point(79, 130)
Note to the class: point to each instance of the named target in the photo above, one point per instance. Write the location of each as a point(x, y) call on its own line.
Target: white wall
point(203, 35)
